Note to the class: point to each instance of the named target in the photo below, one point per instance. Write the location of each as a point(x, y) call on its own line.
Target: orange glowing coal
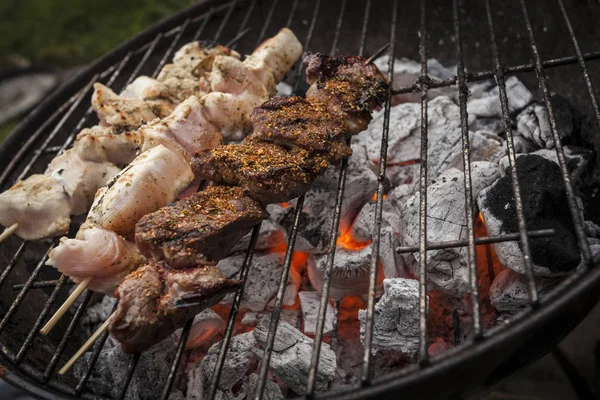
point(374, 198)
point(348, 242)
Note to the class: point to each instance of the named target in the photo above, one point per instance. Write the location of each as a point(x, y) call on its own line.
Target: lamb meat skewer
point(194, 125)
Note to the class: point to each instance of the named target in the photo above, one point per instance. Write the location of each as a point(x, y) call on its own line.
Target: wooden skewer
point(8, 231)
point(66, 305)
point(85, 347)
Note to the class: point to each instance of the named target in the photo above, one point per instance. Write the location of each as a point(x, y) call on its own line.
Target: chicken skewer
point(191, 235)
point(194, 125)
point(41, 206)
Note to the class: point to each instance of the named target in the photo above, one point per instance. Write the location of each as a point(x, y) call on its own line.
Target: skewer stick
point(378, 53)
point(66, 305)
point(85, 347)
point(8, 231)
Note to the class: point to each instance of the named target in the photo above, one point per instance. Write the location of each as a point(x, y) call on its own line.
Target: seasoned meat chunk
point(155, 300)
point(199, 229)
point(265, 171)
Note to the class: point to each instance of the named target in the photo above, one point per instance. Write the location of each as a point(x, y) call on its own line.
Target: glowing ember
point(284, 204)
point(346, 241)
point(374, 198)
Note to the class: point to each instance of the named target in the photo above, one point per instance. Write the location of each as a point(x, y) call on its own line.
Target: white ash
point(310, 303)
point(402, 174)
point(206, 325)
point(268, 236)
point(406, 73)
point(485, 146)
point(284, 89)
point(109, 374)
point(272, 391)
point(591, 229)
point(350, 272)
point(292, 352)
point(447, 269)
point(240, 361)
point(510, 293)
point(393, 264)
point(485, 99)
point(288, 315)
point(95, 315)
point(396, 317)
point(493, 125)
point(263, 280)
point(533, 128)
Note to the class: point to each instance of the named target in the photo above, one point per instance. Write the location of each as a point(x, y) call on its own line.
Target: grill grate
point(30, 157)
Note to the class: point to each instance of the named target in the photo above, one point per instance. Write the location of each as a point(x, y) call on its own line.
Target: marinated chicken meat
point(199, 229)
point(265, 171)
point(99, 253)
point(155, 300)
point(277, 163)
point(103, 144)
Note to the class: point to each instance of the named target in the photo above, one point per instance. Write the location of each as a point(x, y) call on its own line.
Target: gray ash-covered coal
point(396, 318)
point(292, 352)
point(447, 269)
point(545, 207)
point(310, 303)
point(509, 292)
point(268, 237)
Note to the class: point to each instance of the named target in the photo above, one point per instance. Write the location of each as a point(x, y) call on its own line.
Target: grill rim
point(579, 288)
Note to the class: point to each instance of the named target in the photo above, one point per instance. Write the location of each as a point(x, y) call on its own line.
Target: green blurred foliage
point(70, 32)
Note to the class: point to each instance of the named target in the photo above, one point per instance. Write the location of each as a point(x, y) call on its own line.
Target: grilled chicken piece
point(123, 113)
point(186, 131)
point(199, 229)
point(105, 144)
point(39, 204)
point(80, 179)
point(347, 86)
point(99, 253)
point(197, 57)
point(151, 181)
point(293, 121)
point(154, 301)
point(266, 172)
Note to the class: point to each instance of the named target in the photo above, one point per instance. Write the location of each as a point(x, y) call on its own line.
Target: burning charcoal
point(493, 125)
point(110, 372)
point(206, 325)
point(485, 101)
point(406, 73)
point(350, 275)
point(591, 229)
point(545, 207)
point(263, 280)
point(310, 302)
point(288, 315)
point(402, 174)
point(268, 237)
point(534, 128)
point(447, 269)
point(509, 291)
point(396, 317)
point(485, 146)
point(95, 315)
point(272, 390)
point(239, 362)
point(290, 360)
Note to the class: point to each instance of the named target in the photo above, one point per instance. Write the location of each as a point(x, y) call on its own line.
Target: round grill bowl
point(29, 360)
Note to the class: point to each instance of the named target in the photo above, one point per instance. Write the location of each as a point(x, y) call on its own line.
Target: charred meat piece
point(293, 121)
point(266, 172)
point(199, 229)
point(155, 300)
point(348, 86)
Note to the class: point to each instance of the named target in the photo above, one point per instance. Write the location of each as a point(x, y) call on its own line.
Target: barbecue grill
point(549, 44)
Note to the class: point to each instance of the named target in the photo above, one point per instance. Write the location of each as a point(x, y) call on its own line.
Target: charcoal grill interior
point(550, 45)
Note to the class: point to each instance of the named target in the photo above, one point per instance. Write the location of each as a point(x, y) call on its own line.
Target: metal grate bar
point(67, 336)
point(292, 13)
point(225, 20)
point(171, 48)
point(130, 371)
point(263, 31)
point(335, 224)
point(19, 299)
point(275, 314)
point(14, 260)
point(42, 284)
point(512, 159)
point(580, 59)
point(235, 308)
point(95, 354)
point(543, 84)
point(205, 21)
point(144, 59)
point(242, 27)
point(185, 333)
point(36, 154)
point(483, 75)
point(463, 94)
point(478, 241)
point(41, 318)
point(424, 87)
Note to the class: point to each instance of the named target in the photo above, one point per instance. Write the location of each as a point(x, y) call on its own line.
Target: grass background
point(66, 33)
